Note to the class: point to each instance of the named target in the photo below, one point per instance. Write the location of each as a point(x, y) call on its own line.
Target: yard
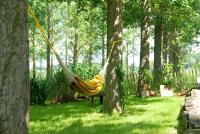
point(156, 115)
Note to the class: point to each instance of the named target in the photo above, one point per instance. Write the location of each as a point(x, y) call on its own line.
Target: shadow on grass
point(74, 109)
point(78, 127)
point(135, 104)
point(144, 101)
point(77, 110)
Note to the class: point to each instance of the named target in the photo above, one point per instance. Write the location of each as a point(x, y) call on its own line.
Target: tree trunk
point(48, 35)
point(143, 84)
point(66, 51)
point(176, 59)
point(103, 49)
point(76, 40)
point(175, 49)
point(133, 51)
point(34, 60)
point(41, 63)
point(90, 51)
point(127, 59)
point(14, 68)
point(51, 65)
point(165, 46)
point(157, 52)
point(113, 98)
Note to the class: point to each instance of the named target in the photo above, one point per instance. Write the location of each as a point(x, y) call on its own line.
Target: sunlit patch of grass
point(142, 116)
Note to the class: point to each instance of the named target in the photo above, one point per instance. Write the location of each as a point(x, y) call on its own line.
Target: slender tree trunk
point(75, 56)
point(51, 54)
point(90, 51)
point(175, 52)
point(103, 49)
point(51, 65)
point(133, 51)
point(113, 98)
point(75, 53)
point(48, 35)
point(165, 46)
point(127, 59)
point(66, 51)
point(143, 84)
point(41, 62)
point(175, 49)
point(76, 40)
point(176, 59)
point(34, 60)
point(157, 52)
point(14, 68)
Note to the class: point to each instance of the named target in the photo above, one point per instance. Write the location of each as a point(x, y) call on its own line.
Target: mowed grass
point(156, 115)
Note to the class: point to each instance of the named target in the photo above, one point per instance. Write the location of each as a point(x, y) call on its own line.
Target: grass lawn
point(142, 116)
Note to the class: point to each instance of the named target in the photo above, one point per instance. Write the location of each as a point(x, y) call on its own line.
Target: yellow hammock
point(90, 87)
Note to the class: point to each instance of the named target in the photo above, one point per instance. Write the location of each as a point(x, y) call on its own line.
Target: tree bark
point(165, 47)
point(103, 49)
point(175, 49)
point(48, 35)
point(34, 62)
point(14, 68)
point(157, 52)
point(76, 40)
point(133, 51)
point(144, 49)
point(127, 59)
point(66, 50)
point(90, 51)
point(113, 98)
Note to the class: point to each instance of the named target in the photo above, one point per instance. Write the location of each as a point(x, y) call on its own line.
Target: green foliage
point(130, 84)
point(85, 71)
point(39, 90)
point(121, 73)
point(187, 79)
point(58, 85)
point(132, 13)
point(167, 75)
point(146, 76)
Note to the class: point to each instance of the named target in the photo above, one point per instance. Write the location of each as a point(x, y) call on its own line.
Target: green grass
point(142, 116)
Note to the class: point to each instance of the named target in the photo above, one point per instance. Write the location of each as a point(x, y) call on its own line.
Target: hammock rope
point(90, 87)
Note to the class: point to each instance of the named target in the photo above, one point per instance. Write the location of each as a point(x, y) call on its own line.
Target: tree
point(34, 58)
point(113, 100)
point(14, 69)
point(48, 35)
point(143, 81)
point(157, 51)
point(76, 37)
point(103, 48)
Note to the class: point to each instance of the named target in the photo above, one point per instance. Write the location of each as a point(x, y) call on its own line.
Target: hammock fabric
point(90, 87)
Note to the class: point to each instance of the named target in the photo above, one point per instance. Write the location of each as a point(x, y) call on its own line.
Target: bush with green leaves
point(59, 87)
point(85, 71)
point(167, 75)
point(39, 90)
point(187, 79)
point(146, 76)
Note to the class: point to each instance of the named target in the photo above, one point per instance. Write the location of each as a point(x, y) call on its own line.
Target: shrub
point(167, 75)
point(60, 91)
point(39, 90)
point(85, 71)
